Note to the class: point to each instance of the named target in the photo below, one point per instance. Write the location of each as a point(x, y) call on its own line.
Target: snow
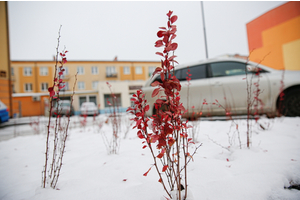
point(221, 170)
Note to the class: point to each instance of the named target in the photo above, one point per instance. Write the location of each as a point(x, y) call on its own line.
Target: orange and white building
point(31, 79)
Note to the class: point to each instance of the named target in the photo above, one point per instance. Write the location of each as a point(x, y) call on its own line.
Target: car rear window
point(196, 71)
point(219, 69)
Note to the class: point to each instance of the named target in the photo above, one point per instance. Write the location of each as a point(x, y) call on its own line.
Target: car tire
point(291, 103)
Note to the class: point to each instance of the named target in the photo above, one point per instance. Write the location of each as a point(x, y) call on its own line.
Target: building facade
point(5, 89)
point(274, 37)
point(31, 79)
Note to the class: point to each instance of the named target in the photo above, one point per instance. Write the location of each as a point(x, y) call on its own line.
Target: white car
point(89, 108)
point(219, 86)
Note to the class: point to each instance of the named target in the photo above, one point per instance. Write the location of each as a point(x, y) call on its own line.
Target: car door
point(229, 87)
point(194, 91)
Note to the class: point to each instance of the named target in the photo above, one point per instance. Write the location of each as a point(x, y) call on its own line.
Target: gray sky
point(101, 30)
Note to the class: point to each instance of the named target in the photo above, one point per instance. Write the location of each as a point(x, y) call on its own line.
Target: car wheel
point(291, 103)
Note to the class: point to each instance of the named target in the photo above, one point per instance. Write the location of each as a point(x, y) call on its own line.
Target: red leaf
point(188, 154)
point(169, 13)
point(169, 24)
point(162, 76)
point(159, 53)
point(124, 179)
point(171, 141)
point(140, 135)
point(51, 91)
point(144, 146)
point(172, 57)
point(173, 19)
point(159, 101)
point(160, 33)
point(154, 138)
point(64, 60)
point(157, 70)
point(161, 154)
point(173, 36)
point(159, 43)
point(172, 47)
point(155, 92)
point(164, 168)
point(155, 83)
point(147, 108)
point(165, 39)
point(145, 174)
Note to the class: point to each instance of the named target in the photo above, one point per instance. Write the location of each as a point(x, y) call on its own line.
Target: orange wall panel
point(28, 106)
point(4, 92)
point(272, 18)
point(271, 32)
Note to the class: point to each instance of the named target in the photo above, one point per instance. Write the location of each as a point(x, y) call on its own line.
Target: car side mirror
point(251, 68)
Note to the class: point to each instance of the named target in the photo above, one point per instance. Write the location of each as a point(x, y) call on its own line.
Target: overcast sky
point(101, 30)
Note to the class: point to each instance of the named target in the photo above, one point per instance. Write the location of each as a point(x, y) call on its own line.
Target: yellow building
point(31, 79)
point(274, 37)
point(5, 89)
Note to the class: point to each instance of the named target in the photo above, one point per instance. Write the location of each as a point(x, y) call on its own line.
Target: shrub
point(168, 130)
point(51, 170)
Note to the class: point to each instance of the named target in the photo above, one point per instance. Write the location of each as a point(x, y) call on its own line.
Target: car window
point(197, 72)
point(227, 69)
point(65, 104)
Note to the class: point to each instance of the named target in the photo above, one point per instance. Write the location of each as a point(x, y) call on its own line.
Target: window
point(44, 86)
point(95, 85)
point(28, 87)
point(82, 100)
point(151, 70)
point(12, 72)
point(44, 71)
point(13, 88)
point(81, 85)
point(108, 99)
point(197, 72)
point(126, 70)
point(111, 71)
point(227, 69)
point(66, 87)
point(27, 71)
point(93, 99)
point(138, 70)
point(66, 72)
point(94, 70)
point(80, 70)
point(87, 98)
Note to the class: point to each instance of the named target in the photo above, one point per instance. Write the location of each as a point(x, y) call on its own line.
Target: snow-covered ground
point(221, 170)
